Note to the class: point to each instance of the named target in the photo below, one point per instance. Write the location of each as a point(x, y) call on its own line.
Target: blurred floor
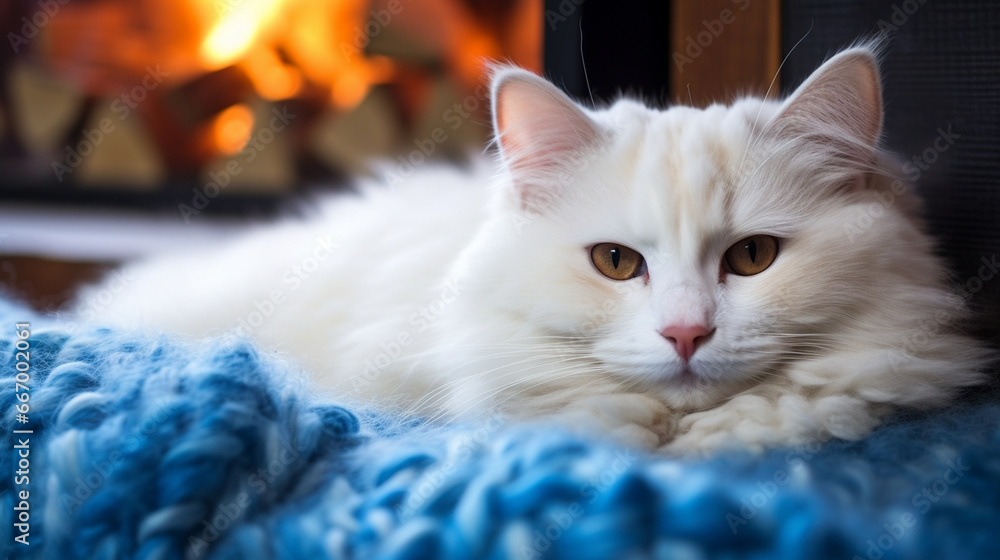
point(46, 284)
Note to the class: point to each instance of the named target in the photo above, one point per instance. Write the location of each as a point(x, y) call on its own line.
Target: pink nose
point(686, 338)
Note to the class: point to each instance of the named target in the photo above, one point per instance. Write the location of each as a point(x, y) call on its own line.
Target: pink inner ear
point(845, 93)
point(539, 130)
point(870, 90)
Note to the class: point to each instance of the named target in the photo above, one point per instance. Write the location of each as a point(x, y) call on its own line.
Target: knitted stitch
point(154, 448)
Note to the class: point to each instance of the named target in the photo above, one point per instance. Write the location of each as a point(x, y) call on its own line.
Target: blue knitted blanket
point(135, 446)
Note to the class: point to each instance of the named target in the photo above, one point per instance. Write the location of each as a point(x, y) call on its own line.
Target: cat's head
point(696, 252)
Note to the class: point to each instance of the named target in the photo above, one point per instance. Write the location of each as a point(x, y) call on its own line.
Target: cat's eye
point(751, 255)
point(617, 262)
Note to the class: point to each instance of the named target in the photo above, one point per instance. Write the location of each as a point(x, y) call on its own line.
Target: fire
point(231, 129)
point(282, 44)
point(272, 78)
point(222, 56)
point(241, 23)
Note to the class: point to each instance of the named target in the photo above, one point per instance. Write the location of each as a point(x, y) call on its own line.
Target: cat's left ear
point(840, 100)
point(540, 131)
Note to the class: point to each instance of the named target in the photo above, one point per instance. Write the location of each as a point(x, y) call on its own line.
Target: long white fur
point(486, 300)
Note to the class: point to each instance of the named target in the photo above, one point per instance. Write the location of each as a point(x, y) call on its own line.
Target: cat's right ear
point(840, 104)
point(540, 131)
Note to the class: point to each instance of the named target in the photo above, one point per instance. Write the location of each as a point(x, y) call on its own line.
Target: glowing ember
point(217, 53)
point(272, 78)
point(232, 128)
point(281, 44)
point(240, 25)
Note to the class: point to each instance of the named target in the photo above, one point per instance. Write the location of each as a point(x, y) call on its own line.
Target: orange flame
point(231, 129)
point(307, 33)
point(240, 25)
point(272, 78)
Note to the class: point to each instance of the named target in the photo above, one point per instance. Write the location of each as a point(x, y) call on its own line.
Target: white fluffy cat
point(687, 279)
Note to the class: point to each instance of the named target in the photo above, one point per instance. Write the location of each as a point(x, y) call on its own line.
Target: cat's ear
point(540, 132)
point(842, 99)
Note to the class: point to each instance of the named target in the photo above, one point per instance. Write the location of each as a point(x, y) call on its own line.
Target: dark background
point(941, 69)
point(626, 47)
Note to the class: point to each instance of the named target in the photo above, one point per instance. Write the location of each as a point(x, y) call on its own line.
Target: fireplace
point(225, 105)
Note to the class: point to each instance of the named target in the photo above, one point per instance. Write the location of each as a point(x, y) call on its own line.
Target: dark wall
point(626, 47)
point(941, 73)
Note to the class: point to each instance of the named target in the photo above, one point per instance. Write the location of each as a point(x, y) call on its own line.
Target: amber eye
point(617, 262)
point(752, 255)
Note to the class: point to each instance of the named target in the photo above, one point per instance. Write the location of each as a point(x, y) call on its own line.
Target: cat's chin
point(685, 377)
point(685, 388)
point(689, 392)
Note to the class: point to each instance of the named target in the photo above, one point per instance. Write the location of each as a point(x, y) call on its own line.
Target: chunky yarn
point(148, 447)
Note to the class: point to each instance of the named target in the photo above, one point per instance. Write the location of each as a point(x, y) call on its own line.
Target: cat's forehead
point(684, 139)
point(682, 168)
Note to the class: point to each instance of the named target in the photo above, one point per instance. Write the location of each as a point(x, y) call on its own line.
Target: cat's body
point(446, 298)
